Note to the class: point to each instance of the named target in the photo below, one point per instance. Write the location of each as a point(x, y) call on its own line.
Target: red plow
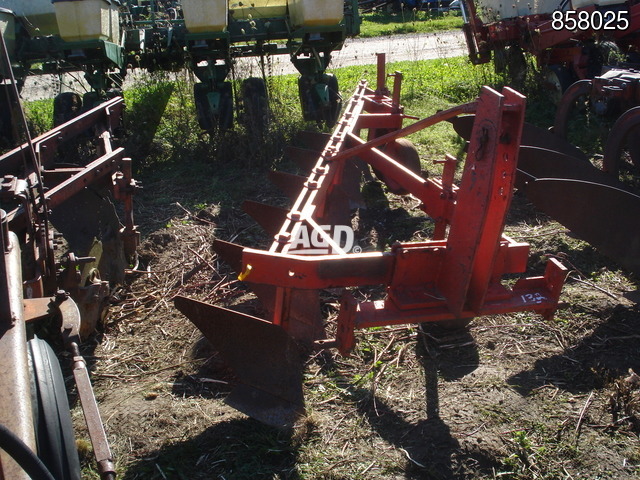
point(453, 277)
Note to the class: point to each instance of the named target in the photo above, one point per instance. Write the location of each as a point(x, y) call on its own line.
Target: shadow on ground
point(609, 352)
point(431, 450)
point(222, 451)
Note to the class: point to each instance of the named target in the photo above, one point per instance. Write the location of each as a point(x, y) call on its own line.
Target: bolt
point(61, 296)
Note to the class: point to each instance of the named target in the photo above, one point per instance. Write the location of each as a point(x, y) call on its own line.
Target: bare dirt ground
point(513, 396)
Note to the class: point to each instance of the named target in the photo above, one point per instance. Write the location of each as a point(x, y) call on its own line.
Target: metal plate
point(270, 218)
point(266, 360)
point(604, 216)
point(535, 162)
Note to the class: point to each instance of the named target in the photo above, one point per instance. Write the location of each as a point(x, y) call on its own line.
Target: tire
point(225, 118)
point(207, 119)
point(517, 66)
point(622, 148)
point(256, 104)
point(313, 108)
point(54, 429)
point(603, 54)
point(90, 100)
point(500, 60)
point(66, 106)
point(335, 100)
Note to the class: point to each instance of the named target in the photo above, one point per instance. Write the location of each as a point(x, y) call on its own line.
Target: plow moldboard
point(596, 213)
point(266, 360)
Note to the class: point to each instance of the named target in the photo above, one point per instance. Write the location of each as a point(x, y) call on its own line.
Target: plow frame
point(32, 167)
point(455, 275)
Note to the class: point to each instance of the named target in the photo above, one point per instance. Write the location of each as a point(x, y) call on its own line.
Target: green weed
point(408, 21)
point(39, 116)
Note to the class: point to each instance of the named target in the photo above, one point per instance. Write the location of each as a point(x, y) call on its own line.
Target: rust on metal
point(269, 371)
point(71, 324)
point(15, 380)
point(37, 186)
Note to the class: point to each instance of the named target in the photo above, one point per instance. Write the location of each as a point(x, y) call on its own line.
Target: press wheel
point(54, 429)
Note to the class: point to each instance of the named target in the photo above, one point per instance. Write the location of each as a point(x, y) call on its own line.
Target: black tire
point(225, 118)
point(622, 149)
point(90, 100)
point(517, 65)
point(332, 113)
point(66, 106)
point(603, 54)
point(313, 108)
point(256, 105)
point(207, 118)
point(54, 429)
point(500, 64)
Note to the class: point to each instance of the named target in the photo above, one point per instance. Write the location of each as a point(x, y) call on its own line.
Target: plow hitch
point(453, 277)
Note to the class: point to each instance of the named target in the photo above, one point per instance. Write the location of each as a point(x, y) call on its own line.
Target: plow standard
point(455, 276)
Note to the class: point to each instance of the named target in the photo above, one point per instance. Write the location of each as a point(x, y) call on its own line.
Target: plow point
point(265, 359)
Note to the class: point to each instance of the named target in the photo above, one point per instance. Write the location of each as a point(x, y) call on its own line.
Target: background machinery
point(569, 40)
point(62, 248)
point(106, 38)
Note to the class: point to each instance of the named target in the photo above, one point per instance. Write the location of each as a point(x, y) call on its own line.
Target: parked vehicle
point(570, 41)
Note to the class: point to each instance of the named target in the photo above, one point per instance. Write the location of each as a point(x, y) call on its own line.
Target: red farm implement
point(545, 29)
point(610, 104)
point(455, 276)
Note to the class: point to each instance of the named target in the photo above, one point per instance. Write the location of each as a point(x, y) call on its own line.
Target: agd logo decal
point(310, 241)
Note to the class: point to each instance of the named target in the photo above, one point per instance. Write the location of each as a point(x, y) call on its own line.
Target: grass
point(39, 116)
point(163, 133)
point(378, 24)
